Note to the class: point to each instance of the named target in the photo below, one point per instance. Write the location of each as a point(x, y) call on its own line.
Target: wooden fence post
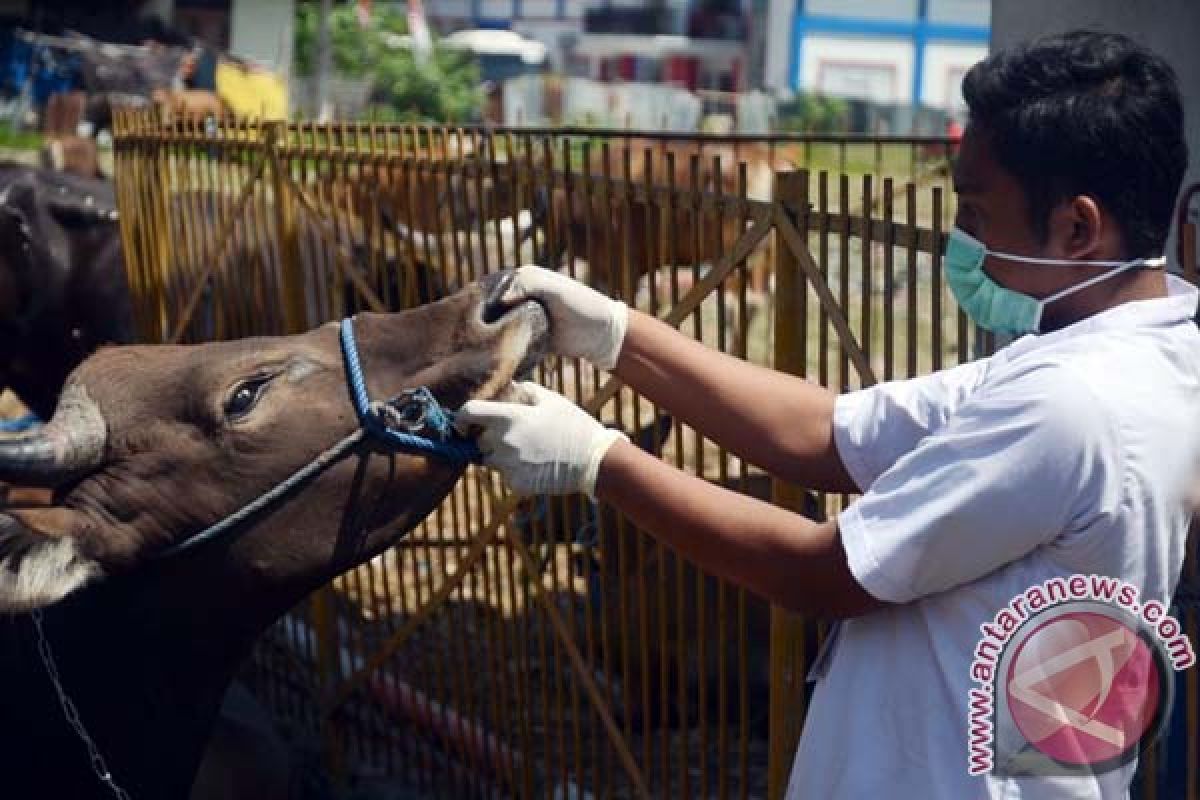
point(788, 657)
point(160, 203)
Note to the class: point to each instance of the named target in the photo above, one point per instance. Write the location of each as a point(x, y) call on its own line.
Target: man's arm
point(779, 422)
point(787, 559)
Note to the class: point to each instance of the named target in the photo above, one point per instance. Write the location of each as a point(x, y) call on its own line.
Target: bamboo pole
point(787, 706)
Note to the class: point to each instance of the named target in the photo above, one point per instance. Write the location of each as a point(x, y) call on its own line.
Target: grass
point(19, 140)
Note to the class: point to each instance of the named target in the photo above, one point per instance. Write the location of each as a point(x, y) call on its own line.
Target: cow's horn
point(69, 445)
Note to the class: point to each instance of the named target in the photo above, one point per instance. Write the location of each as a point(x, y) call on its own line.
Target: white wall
point(945, 66)
point(875, 69)
point(959, 12)
point(496, 9)
point(1169, 27)
point(539, 8)
point(905, 10)
point(779, 44)
point(262, 30)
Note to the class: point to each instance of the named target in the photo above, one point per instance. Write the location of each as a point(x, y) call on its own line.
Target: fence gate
point(547, 648)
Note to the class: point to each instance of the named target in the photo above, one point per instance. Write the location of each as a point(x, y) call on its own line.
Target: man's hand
point(550, 446)
point(583, 322)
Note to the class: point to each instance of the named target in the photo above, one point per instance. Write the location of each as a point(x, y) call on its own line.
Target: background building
point(890, 52)
point(689, 43)
point(258, 30)
point(554, 23)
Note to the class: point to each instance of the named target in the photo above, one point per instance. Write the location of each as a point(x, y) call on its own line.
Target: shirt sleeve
point(874, 427)
point(1018, 465)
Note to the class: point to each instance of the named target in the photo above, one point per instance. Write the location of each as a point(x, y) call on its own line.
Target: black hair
point(1086, 113)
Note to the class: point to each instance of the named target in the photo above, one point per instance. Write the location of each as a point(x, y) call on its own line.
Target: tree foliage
point(356, 50)
point(444, 88)
point(814, 113)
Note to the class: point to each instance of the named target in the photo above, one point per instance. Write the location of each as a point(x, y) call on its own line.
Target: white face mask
point(1002, 310)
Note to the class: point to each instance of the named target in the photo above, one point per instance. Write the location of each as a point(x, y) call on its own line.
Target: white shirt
point(1064, 453)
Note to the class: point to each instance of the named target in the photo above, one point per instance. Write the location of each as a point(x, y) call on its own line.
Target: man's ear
point(1080, 229)
point(41, 560)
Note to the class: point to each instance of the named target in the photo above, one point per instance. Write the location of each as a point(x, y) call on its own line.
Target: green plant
point(19, 140)
point(443, 88)
point(814, 113)
point(355, 49)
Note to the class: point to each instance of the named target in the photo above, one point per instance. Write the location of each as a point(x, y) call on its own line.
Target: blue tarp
point(50, 69)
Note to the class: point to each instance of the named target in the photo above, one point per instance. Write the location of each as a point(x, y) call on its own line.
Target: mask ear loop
point(1062, 262)
point(1122, 266)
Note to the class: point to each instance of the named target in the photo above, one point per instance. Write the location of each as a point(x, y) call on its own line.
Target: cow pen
point(546, 648)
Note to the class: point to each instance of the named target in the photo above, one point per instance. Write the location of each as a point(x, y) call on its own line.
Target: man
point(1067, 452)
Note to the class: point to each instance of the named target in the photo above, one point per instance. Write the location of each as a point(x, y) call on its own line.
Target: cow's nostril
point(494, 287)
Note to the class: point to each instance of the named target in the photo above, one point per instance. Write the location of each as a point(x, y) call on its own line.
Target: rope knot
point(402, 422)
point(413, 411)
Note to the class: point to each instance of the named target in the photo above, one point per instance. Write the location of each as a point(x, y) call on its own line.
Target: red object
point(469, 737)
point(682, 70)
point(627, 68)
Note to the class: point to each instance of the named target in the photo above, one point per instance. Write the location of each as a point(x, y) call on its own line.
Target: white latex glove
point(550, 446)
point(583, 322)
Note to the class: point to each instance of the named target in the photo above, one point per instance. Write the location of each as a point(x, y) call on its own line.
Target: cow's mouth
point(528, 314)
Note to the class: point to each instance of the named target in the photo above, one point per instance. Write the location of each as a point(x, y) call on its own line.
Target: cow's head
point(62, 280)
point(151, 445)
point(32, 249)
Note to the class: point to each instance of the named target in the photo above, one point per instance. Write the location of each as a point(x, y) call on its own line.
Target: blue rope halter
point(413, 410)
point(379, 419)
point(19, 424)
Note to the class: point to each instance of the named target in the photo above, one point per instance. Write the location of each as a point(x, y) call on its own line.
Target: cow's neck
point(146, 659)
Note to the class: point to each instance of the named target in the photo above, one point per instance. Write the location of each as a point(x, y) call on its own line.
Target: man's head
point(1074, 150)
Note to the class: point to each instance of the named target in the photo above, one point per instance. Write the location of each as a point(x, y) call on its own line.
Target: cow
point(189, 103)
point(63, 285)
point(63, 290)
point(75, 155)
point(608, 228)
point(152, 444)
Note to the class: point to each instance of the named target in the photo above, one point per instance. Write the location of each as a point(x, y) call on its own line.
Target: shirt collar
point(1177, 307)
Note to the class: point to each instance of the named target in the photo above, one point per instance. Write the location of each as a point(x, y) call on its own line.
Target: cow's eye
point(245, 396)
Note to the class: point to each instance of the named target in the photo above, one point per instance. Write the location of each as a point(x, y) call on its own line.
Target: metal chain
point(99, 766)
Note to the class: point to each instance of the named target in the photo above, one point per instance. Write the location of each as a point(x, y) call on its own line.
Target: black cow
point(63, 291)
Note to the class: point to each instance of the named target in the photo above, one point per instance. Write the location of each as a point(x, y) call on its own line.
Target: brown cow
point(608, 231)
point(75, 155)
point(189, 103)
point(151, 445)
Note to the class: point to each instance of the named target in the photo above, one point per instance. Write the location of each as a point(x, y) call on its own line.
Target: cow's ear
point(41, 561)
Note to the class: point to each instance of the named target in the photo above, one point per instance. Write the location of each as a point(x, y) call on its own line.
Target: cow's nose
point(494, 286)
